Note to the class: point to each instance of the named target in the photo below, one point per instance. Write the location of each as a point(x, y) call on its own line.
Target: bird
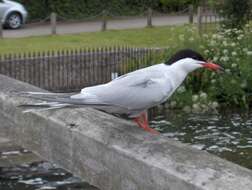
point(131, 94)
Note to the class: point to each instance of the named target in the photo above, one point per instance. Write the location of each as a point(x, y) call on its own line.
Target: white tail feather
point(53, 101)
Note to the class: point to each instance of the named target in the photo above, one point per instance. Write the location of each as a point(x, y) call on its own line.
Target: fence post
point(149, 18)
point(199, 23)
point(104, 20)
point(1, 28)
point(53, 23)
point(190, 14)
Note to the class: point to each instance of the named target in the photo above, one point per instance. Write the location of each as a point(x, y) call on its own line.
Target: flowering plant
point(204, 90)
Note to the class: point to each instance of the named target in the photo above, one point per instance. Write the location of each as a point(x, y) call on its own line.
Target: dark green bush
point(174, 5)
point(86, 8)
point(76, 9)
point(236, 13)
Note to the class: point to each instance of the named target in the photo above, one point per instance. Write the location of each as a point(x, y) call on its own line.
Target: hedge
point(39, 9)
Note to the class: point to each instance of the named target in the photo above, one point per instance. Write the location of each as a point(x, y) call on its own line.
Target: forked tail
point(52, 101)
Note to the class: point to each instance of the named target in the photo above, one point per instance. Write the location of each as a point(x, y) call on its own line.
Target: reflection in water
point(227, 135)
point(39, 176)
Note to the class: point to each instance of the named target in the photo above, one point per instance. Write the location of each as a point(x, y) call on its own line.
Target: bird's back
point(138, 90)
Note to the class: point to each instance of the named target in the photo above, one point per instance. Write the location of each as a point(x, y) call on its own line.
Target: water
point(39, 176)
point(20, 169)
point(228, 135)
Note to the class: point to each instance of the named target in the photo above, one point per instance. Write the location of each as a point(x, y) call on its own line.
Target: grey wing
point(137, 91)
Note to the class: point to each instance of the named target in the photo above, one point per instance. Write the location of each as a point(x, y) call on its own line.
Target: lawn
point(147, 37)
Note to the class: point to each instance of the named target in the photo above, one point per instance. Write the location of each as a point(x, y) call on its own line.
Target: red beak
point(212, 66)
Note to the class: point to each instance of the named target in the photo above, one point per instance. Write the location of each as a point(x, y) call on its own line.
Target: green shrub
point(77, 9)
point(174, 5)
point(85, 8)
point(235, 12)
point(204, 90)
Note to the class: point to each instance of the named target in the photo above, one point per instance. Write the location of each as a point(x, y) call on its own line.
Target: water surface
point(20, 169)
point(228, 135)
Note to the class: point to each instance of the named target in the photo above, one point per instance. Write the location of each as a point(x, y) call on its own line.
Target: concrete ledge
point(111, 153)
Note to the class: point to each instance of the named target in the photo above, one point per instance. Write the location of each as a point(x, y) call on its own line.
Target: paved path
point(92, 26)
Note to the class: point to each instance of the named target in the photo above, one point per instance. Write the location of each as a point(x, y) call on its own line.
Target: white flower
point(245, 49)
point(203, 95)
point(206, 51)
point(240, 37)
point(187, 109)
point(234, 65)
point(212, 43)
point(220, 37)
point(225, 43)
point(201, 47)
point(212, 74)
point(244, 84)
point(225, 51)
point(214, 36)
point(213, 81)
point(205, 35)
point(173, 104)
point(234, 53)
point(239, 32)
point(225, 58)
point(191, 39)
point(181, 37)
point(215, 59)
point(196, 108)
point(249, 52)
point(227, 71)
point(233, 44)
point(181, 89)
point(195, 98)
point(215, 105)
point(204, 107)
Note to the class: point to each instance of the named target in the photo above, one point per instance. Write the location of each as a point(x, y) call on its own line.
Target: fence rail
point(68, 71)
point(207, 19)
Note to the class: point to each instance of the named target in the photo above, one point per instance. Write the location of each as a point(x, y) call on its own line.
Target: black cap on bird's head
point(185, 53)
point(189, 53)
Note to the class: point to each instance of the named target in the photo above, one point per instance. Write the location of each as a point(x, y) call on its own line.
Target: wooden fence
point(68, 71)
point(207, 19)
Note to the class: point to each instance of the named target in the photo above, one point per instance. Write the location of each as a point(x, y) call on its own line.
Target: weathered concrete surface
point(112, 153)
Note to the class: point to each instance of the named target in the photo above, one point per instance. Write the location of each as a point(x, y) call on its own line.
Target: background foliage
point(236, 11)
point(39, 9)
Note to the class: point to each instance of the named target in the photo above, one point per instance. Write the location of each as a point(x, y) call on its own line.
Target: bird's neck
point(178, 74)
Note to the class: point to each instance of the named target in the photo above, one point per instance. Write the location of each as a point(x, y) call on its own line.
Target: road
point(93, 26)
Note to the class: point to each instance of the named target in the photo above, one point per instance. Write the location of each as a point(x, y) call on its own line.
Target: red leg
point(142, 121)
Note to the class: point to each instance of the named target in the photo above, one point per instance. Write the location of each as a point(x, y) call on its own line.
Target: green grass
point(147, 37)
